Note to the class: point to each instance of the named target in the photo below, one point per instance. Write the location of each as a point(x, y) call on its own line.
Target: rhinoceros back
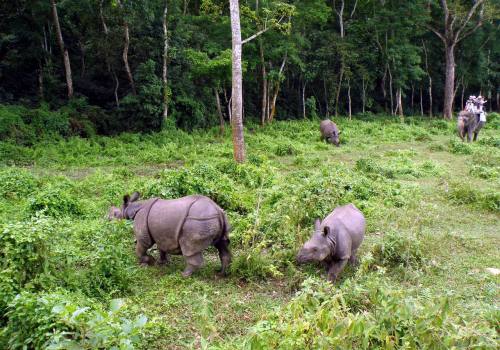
point(185, 225)
point(348, 225)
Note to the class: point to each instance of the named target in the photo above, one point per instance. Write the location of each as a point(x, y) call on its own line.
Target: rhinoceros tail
point(226, 227)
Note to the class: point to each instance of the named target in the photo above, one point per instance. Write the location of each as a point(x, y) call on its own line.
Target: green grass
point(432, 206)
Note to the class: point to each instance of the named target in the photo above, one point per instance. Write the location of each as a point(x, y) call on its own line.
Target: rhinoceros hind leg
point(224, 255)
point(193, 263)
point(164, 259)
point(142, 254)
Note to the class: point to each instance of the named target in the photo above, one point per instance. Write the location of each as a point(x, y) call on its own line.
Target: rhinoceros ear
point(135, 196)
point(317, 224)
point(326, 231)
point(126, 199)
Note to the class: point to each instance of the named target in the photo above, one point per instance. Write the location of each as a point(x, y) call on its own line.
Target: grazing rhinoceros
point(186, 226)
point(335, 240)
point(329, 132)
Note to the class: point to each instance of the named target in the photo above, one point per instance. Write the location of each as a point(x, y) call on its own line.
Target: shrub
point(464, 194)
point(285, 149)
point(200, 179)
point(26, 257)
point(396, 249)
point(56, 321)
point(16, 183)
point(364, 314)
point(484, 172)
point(252, 265)
point(459, 147)
point(55, 201)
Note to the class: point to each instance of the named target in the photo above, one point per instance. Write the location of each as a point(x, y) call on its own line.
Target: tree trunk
point(264, 115)
point(390, 89)
point(277, 89)
point(363, 97)
point(430, 97)
point(41, 94)
point(337, 97)
point(463, 95)
point(111, 70)
point(164, 71)
point(449, 85)
point(327, 109)
point(304, 100)
point(421, 102)
point(64, 50)
point(349, 98)
point(125, 51)
point(399, 102)
point(237, 84)
point(82, 59)
point(411, 101)
point(219, 110)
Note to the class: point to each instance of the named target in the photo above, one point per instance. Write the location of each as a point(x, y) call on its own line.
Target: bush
point(364, 314)
point(396, 249)
point(200, 179)
point(464, 194)
point(254, 265)
point(16, 183)
point(459, 147)
point(56, 321)
point(26, 257)
point(484, 172)
point(55, 201)
point(285, 149)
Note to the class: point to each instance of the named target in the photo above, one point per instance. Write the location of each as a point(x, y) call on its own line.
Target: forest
point(126, 65)
point(102, 101)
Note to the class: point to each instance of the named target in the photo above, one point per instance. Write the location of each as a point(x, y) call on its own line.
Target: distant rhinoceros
point(186, 226)
point(329, 132)
point(335, 240)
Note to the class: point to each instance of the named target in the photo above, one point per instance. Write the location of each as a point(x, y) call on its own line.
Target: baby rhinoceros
point(186, 226)
point(329, 132)
point(335, 240)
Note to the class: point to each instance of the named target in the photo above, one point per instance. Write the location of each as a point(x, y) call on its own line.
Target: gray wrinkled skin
point(468, 124)
point(336, 240)
point(186, 226)
point(329, 132)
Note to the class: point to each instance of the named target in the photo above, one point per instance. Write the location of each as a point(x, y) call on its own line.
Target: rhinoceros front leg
point(193, 263)
point(224, 255)
point(335, 268)
point(142, 254)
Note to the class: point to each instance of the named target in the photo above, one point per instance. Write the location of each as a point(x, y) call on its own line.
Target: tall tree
point(165, 62)
point(237, 84)
point(64, 49)
point(455, 28)
point(126, 34)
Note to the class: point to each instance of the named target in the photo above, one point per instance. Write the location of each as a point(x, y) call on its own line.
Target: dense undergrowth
point(69, 277)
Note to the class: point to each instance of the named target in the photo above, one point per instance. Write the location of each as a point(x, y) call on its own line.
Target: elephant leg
point(335, 268)
point(224, 255)
point(193, 263)
point(475, 136)
point(164, 258)
point(142, 254)
point(469, 135)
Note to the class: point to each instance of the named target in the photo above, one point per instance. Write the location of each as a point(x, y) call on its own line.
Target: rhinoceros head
point(121, 213)
point(318, 247)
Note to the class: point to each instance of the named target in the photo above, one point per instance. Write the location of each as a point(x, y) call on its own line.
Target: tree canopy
point(300, 58)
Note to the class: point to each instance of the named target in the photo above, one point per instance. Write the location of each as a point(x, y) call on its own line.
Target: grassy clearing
point(432, 205)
